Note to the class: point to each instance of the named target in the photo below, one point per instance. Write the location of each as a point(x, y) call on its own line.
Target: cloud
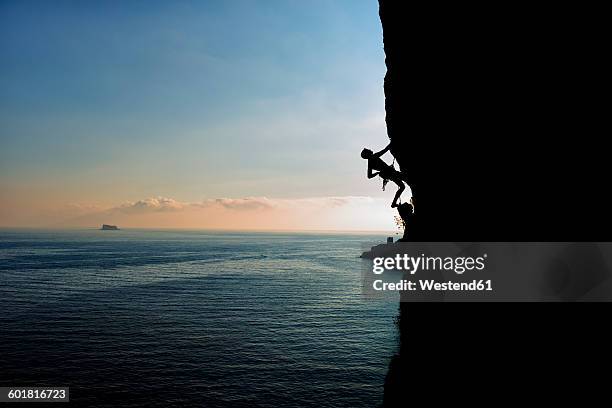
point(151, 204)
point(245, 213)
point(82, 208)
point(240, 204)
point(164, 204)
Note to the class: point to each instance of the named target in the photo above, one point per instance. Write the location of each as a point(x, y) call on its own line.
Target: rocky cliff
point(495, 114)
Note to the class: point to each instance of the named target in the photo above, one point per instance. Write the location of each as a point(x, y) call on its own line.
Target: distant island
point(109, 227)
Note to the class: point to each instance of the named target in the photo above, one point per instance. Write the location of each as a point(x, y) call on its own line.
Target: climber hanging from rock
point(385, 171)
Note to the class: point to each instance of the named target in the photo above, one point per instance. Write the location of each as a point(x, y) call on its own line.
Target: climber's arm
point(383, 151)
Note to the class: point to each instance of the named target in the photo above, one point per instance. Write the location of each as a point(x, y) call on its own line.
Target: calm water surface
point(162, 318)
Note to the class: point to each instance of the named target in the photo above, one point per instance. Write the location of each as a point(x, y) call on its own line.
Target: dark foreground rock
point(491, 113)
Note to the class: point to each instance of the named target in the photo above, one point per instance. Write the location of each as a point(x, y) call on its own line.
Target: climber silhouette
point(385, 171)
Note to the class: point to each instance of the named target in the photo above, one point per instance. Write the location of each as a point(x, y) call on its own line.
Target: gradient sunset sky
point(203, 114)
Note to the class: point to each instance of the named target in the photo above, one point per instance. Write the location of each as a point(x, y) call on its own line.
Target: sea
point(160, 318)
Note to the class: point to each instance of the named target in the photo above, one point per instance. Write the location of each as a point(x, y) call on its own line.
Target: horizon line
point(251, 230)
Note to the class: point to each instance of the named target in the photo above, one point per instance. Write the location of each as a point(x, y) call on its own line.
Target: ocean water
point(189, 318)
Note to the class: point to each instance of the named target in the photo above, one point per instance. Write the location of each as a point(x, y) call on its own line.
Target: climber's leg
point(408, 182)
point(400, 190)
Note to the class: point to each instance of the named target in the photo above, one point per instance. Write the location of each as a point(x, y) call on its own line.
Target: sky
point(204, 114)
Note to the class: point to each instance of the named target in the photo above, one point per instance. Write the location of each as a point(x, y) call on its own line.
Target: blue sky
point(111, 101)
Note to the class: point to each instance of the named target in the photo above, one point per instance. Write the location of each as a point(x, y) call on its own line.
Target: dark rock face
point(495, 113)
point(494, 118)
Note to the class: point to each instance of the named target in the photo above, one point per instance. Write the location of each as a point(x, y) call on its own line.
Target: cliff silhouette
point(495, 113)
